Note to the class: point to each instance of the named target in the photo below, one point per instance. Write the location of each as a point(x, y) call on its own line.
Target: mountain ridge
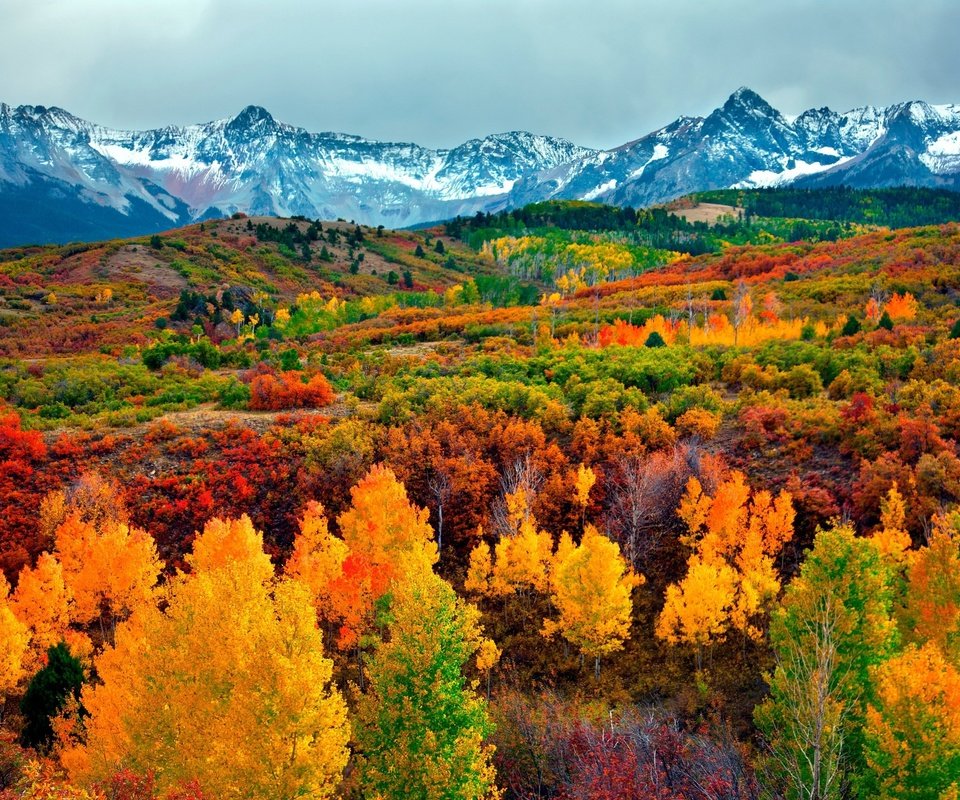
point(92, 181)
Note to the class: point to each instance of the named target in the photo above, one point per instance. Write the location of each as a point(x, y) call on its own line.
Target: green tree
point(419, 251)
point(422, 724)
point(654, 340)
point(851, 326)
point(832, 627)
point(439, 247)
point(48, 692)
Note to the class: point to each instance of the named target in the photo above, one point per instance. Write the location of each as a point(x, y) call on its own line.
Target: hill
point(551, 403)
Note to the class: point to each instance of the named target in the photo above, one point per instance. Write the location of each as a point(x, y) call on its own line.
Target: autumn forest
point(572, 501)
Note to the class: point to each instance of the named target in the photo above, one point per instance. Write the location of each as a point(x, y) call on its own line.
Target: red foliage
point(288, 390)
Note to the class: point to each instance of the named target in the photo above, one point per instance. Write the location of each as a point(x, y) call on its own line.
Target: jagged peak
point(252, 115)
point(746, 98)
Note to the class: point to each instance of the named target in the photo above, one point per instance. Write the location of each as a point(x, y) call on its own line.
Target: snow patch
point(594, 193)
point(763, 178)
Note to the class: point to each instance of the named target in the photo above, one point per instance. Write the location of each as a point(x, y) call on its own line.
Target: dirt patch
point(136, 264)
point(711, 213)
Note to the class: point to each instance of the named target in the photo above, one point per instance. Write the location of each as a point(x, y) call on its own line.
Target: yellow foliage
point(697, 610)
point(592, 588)
point(738, 536)
point(111, 569)
point(42, 603)
point(522, 560)
point(14, 640)
point(478, 573)
point(230, 541)
point(583, 483)
point(227, 685)
point(892, 538)
point(913, 727)
point(318, 556)
point(488, 655)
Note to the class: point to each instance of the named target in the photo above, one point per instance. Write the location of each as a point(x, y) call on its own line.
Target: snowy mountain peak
point(90, 181)
point(252, 116)
point(747, 99)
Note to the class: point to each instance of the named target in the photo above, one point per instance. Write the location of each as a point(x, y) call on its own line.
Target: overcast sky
point(438, 72)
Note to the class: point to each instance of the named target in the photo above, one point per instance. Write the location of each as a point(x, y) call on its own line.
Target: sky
point(439, 72)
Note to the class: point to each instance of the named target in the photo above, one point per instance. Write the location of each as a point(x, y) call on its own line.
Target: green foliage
point(833, 626)
point(422, 725)
point(851, 327)
point(61, 678)
point(899, 207)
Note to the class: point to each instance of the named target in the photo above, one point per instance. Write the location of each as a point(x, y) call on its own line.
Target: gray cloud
point(600, 72)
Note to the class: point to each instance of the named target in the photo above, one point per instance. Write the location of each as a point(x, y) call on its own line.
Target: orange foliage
point(288, 390)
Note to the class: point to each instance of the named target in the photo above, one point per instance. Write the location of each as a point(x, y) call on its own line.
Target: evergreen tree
point(852, 326)
point(885, 322)
point(419, 252)
point(60, 679)
point(439, 247)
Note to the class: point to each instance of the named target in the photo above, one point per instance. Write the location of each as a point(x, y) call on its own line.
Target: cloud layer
point(600, 72)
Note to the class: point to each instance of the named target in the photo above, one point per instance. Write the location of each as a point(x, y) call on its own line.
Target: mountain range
point(63, 178)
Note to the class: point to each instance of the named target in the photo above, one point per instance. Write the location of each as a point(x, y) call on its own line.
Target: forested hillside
point(566, 502)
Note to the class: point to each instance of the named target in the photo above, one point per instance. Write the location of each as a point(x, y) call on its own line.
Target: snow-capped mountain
point(62, 178)
point(748, 143)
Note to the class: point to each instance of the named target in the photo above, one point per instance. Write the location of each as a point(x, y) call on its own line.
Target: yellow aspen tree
point(931, 611)
point(523, 560)
point(14, 641)
point(697, 609)
point(892, 538)
point(227, 685)
point(592, 591)
point(738, 535)
point(109, 570)
point(478, 572)
point(583, 482)
point(488, 656)
point(318, 556)
point(42, 603)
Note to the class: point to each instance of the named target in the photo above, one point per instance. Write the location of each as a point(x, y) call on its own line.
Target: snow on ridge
point(763, 178)
point(594, 193)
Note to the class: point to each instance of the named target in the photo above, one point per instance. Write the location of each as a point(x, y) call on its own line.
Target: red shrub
point(288, 390)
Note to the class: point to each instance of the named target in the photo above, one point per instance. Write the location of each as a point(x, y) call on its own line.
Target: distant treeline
point(656, 227)
point(902, 207)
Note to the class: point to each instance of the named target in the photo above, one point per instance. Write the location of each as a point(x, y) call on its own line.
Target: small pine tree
point(419, 252)
point(718, 294)
point(156, 242)
point(392, 278)
point(885, 322)
point(654, 340)
point(852, 327)
point(440, 248)
point(408, 279)
point(325, 254)
point(47, 694)
point(955, 330)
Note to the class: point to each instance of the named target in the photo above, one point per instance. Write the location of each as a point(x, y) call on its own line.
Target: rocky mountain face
point(62, 178)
